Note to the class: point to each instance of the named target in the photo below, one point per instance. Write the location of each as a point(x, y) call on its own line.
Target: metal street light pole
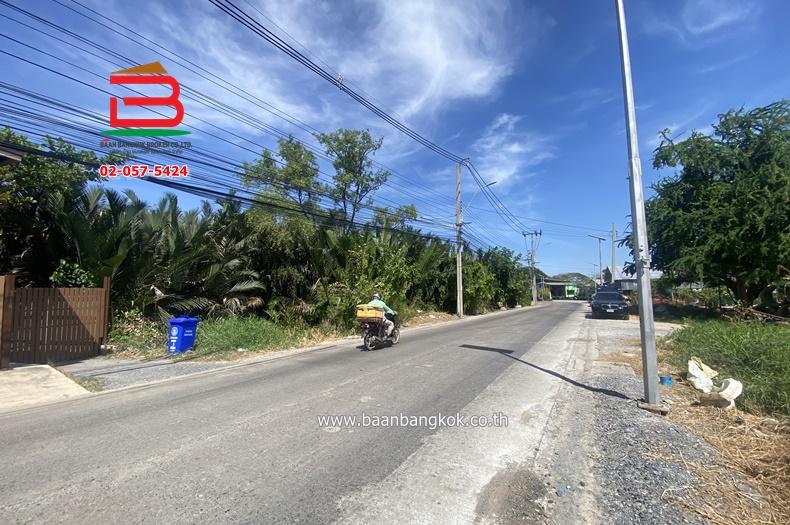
point(459, 245)
point(646, 324)
point(600, 261)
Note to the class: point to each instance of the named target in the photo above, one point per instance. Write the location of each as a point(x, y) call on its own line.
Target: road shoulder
point(608, 461)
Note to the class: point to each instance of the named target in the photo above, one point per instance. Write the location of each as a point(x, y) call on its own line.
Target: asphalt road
point(244, 444)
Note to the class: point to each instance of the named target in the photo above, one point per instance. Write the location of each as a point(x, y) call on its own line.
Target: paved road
point(244, 445)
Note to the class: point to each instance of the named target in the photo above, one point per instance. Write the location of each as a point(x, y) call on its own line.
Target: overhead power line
point(246, 20)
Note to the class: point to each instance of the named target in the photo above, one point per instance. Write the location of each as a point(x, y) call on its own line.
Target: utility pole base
point(662, 410)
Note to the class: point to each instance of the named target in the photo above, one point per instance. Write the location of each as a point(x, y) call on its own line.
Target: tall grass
point(756, 354)
point(250, 333)
point(142, 338)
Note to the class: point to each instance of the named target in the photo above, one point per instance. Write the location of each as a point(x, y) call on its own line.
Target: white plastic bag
point(698, 378)
point(730, 389)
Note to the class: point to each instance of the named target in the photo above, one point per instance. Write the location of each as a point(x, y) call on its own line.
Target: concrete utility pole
point(533, 234)
point(646, 325)
point(614, 264)
point(459, 246)
point(600, 261)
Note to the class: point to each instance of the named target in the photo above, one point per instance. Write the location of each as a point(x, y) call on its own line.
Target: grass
point(756, 354)
point(216, 338)
point(252, 334)
point(91, 384)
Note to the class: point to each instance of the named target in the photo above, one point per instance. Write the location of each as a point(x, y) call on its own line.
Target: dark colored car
point(608, 304)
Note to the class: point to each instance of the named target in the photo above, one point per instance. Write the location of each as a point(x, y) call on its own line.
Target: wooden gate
point(51, 324)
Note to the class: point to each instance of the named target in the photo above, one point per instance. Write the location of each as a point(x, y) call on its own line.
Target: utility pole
point(614, 237)
point(533, 234)
point(459, 245)
point(647, 327)
point(600, 261)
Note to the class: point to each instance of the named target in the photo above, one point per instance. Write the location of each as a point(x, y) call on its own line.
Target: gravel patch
point(629, 468)
point(602, 459)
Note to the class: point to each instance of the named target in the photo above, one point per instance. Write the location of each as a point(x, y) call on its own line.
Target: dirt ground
point(426, 318)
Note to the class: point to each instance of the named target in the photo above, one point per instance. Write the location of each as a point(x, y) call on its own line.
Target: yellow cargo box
point(366, 312)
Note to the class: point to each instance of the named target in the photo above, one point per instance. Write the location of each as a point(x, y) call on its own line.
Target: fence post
point(106, 314)
point(6, 318)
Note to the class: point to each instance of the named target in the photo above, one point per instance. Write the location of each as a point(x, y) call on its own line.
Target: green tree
point(724, 218)
point(293, 179)
point(32, 195)
point(355, 178)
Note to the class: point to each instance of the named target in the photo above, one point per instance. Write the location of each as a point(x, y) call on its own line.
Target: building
point(9, 155)
point(561, 289)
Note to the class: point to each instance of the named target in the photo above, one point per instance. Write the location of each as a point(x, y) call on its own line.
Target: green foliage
point(513, 282)
point(753, 353)
point(70, 275)
point(36, 195)
point(724, 217)
point(134, 335)
point(292, 179)
point(249, 333)
point(299, 266)
point(355, 178)
point(479, 287)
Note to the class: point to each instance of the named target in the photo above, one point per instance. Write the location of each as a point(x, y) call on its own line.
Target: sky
point(530, 91)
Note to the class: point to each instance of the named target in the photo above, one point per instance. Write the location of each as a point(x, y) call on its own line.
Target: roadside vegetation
point(260, 273)
point(754, 353)
point(722, 216)
point(218, 338)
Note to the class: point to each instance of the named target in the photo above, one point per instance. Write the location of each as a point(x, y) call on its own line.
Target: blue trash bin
point(182, 334)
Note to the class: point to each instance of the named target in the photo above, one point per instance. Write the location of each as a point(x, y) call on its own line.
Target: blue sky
point(530, 91)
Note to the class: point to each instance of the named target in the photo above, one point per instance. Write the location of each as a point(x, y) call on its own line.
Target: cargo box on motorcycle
point(369, 314)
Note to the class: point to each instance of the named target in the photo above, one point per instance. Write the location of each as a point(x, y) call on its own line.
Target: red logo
point(153, 73)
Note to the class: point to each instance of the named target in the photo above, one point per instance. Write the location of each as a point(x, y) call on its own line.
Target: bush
point(71, 275)
point(758, 355)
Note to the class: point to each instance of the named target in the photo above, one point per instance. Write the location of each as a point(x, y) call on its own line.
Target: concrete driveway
point(28, 385)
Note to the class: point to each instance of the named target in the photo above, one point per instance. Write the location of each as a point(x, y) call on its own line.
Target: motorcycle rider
point(389, 313)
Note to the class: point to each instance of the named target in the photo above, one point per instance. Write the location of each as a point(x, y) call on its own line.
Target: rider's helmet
point(377, 296)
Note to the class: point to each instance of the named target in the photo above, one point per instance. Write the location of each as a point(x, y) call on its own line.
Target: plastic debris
point(665, 380)
point(723, 396)
point(730, 389)
point(561, 491)
point(697, 377)
point(711, 373)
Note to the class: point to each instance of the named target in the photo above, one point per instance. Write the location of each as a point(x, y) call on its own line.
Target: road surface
point(244, 445)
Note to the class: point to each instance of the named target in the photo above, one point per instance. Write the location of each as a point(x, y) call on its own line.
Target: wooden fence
point(51, 324)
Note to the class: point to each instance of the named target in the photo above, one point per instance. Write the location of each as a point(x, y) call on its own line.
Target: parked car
point(609, 304)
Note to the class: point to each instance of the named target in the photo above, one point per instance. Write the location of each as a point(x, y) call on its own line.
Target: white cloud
point(413, 58)
point(701, 22)
point(705, 16)
point(681, 128)
point(581, 100)
point(505, 152)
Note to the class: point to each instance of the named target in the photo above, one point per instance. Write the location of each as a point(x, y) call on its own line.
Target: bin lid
point(183, 319)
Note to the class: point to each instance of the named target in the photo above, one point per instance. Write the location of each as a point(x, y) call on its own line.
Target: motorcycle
point(374, 332)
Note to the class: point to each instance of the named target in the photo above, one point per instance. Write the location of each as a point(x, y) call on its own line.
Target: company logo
point(153, 73)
